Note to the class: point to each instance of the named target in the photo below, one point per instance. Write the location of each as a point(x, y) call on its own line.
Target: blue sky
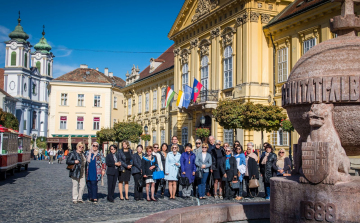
point(74, 27)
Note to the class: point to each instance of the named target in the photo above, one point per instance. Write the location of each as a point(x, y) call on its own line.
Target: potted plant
point(145, 137)
point(202, 132)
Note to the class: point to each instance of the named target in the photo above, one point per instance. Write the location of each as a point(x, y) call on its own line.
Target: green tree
point(227, 114)
point(105, 135)
point(41, 144)
point(8, 120)
point(130, 131)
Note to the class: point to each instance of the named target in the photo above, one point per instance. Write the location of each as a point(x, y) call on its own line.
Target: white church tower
point(28, 84)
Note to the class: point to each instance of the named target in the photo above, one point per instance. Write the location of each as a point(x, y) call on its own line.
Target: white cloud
point(60, 69)
point(62, 51)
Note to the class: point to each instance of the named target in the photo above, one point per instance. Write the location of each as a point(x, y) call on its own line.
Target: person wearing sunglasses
point(217, 154)
point(188, 169)
point(198, 148)
point(283, 163)
point(241, 167)
point(203, 162)
point(125, 155)
point(77, 175)
point(251, 171)
point(172, 165)
point(156, 152)
point(267, 160)
point(148, 164)
point(175, 141)
point(112, 172)
point(95, 170)
point(136, 171)
point(228, 169)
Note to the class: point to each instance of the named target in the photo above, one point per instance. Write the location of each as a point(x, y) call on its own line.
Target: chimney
point(97, 69)
point(83, 66)
point(106, 72)
point(111, 74)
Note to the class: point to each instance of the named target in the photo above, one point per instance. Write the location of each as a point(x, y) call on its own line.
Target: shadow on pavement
point(11, 179)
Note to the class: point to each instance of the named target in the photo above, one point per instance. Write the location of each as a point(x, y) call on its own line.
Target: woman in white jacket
point(172, 165)
point(156, 153)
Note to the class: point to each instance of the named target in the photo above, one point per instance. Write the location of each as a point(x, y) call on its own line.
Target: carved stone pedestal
point(295, 202)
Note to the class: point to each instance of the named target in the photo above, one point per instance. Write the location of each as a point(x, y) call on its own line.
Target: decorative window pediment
point(204, 47)
point(227, 36)
point(184, 56)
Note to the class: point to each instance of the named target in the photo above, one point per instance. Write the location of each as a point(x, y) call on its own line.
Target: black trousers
point(195, 184)
point(111, 185)
point(138, 192)
point(158, 184)
point(229, 193)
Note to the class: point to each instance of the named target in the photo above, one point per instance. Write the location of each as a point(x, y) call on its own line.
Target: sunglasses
point(81, 147)
point(218, 144)
point(174, 148)
point(95, 146)
point(282, 152)
point(156, 147)
point(228, 150)
point(204, 147)
point(198, 143)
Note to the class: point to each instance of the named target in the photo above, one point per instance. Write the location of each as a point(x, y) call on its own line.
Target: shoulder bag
point(141, 183)
point(184, 181)
point(199, 173)
point(254, 183)
point(158, 174)
point(71, 167)
point(235, 184)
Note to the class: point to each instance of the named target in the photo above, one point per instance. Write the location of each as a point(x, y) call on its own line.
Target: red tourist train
point(11, 156)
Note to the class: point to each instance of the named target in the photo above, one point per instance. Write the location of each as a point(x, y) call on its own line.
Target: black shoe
point(137, 199)
point(162, 196)
point(111, 200)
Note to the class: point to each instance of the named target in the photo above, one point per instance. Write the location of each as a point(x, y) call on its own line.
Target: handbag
point(157, 175)
point(71, 167)
point(141, 183)
point(199, 174)
point(253, 183)
point(184, 181)
point(235, 184)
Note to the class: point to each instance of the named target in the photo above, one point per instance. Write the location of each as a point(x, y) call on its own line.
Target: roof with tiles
point(296, 7)
point(168, 61)
point(93, 76)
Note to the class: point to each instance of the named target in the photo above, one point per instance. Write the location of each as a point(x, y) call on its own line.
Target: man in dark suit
point(175, 140)
point(211, 144)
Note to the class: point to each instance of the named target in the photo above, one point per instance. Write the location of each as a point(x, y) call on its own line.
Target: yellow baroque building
point(82, 102)
point(145, 94)
point(222, 45)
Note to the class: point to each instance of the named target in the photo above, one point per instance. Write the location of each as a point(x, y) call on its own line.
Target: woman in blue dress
point(172, 165)
point(188, 168)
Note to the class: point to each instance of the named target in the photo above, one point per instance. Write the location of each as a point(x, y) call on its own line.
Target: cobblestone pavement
point(43, 194)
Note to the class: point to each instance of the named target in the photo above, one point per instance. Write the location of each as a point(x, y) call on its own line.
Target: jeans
point(202, 184)
point(78, 188)
point(239, 192)
point(92, 189)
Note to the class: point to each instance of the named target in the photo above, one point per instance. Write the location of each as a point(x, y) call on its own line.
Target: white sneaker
point(49, 162)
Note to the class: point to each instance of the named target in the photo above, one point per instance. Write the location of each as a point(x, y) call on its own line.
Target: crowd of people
point(50, 154)
point(203, 170)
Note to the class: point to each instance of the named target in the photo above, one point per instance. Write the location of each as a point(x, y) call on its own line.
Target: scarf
point(151, 161)
point(92, 152)
point(265, 159)
point(141, 155)
point(281, 161)
point(227, 163)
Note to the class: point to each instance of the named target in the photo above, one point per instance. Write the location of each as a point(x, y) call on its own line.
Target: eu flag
point(187, 96)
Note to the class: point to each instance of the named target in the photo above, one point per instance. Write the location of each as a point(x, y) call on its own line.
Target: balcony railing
point(207, 95)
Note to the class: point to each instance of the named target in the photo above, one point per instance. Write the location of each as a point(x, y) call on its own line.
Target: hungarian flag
point(196, 89)
point(169, 96)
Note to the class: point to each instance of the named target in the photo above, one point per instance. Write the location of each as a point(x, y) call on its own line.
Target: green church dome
point(42, 45)
point(19, 34)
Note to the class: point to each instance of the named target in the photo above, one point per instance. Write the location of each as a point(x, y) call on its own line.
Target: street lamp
point(146, 128)
point(202, 120)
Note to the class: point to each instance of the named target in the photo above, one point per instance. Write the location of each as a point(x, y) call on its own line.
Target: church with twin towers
point(27, 75)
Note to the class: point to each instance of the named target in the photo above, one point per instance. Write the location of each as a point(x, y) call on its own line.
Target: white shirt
point(203, 156)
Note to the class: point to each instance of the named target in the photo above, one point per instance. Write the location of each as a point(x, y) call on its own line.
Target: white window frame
point(308, 44)
point(115, 102)
point(184, 135)
point(81, 101)
point(63, 124)
point(163, 97)
point(63, 99)
point(229, 136)
point(154, 136)
point(140, 104)
point(162, 136)
point(280, 138)
point(97, 100)
point(228, 67)
point(205, 71)
point(282, 65)
point(146, 102)
point(129, 106)
point(154, 100)
point(185, 76)
point(96, 124)
point(79, 123)
point(115, 120)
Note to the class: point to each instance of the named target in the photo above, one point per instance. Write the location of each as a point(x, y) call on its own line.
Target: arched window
point(228, 74)
point(25, 60)
point(184, 135)
point(13, 58)
point(185, 75)
point(38, 66)
point(205, 71)
point(48, 69)
point(34, 120)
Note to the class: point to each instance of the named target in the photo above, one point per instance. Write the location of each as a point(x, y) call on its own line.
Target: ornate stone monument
point(322, 99)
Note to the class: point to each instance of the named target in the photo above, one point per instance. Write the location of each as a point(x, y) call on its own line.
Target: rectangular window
point(184, 136)
point(147, 102)
point(115, 102)
point(228, 77)
point(63, 122)
point(162, 136)
point(140, 104)
point(282, 65)
point(163, 97)
point(129, 106)
point(185, 76)
point(308, 44)
point(96, 100)
point(81, 100)
point(229, 136)
point(80, 123)
point(154, 136)
point(63, 99)
point(280, 138)
point(96, 125)
point(154, 99)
